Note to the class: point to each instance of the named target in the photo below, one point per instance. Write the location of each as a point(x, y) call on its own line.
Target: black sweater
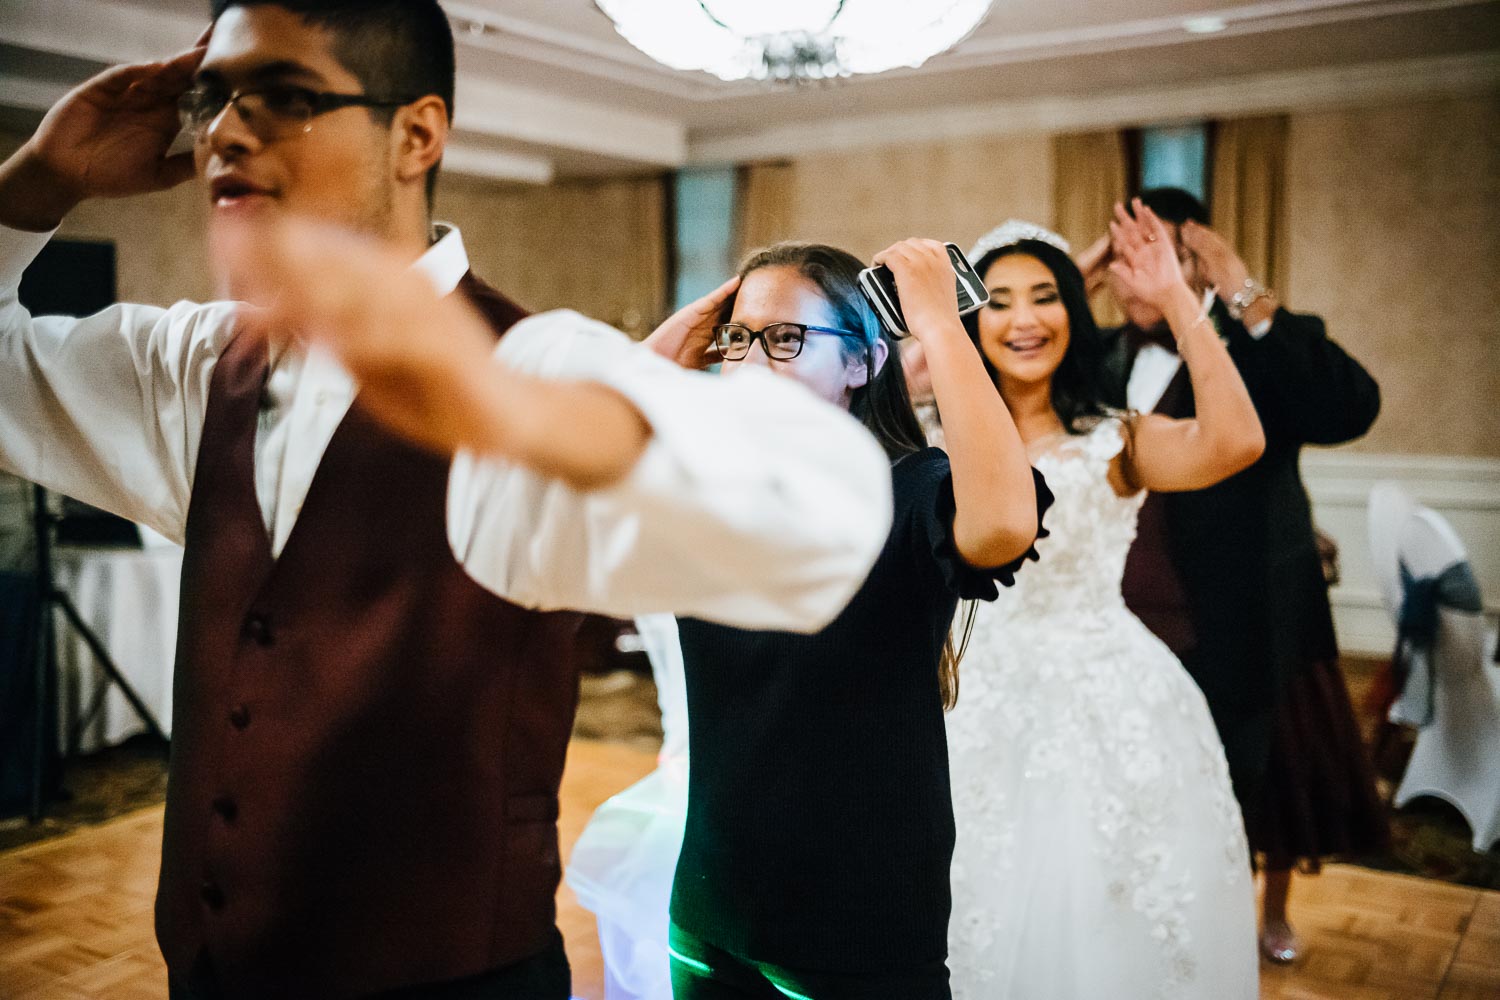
point(820, 822)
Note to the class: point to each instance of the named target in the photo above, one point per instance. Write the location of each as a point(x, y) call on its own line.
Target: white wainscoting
point(1464, 490)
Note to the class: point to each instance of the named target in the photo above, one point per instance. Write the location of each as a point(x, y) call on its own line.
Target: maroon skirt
point(1319, 798)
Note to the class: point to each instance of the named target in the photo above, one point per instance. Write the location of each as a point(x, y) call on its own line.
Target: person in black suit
point(1229, 577)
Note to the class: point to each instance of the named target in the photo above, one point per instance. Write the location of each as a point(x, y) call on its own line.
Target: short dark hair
point(1076, 396)
point(398, 49)
point(1174, 205)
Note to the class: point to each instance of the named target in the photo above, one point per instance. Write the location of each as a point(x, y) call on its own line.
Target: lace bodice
point(1091, 528)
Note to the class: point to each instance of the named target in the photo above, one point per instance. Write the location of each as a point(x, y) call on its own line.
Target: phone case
point(879, 287)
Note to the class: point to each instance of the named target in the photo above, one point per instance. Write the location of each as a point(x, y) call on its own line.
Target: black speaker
point(70, 278)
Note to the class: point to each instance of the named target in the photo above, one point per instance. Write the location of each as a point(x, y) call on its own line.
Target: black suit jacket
point(1244, 550)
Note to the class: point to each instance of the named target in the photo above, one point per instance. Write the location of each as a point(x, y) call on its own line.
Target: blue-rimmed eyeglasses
point(782, 341)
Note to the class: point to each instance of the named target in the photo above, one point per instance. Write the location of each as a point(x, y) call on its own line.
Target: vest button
point(226, 808)
point(258, 630)
point(212, 895)
point(239, 716)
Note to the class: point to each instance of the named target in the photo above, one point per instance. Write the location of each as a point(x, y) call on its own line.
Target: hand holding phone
point(878, 284)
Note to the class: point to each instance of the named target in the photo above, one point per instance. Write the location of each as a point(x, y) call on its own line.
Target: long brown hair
point(883, 403)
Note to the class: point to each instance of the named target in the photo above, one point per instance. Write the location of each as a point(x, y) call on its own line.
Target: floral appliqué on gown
point(1100, 850)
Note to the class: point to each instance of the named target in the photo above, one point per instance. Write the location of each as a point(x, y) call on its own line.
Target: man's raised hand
point(108, 138)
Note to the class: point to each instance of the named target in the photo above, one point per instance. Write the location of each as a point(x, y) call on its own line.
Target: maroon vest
point(1152, 587)
point(367, 745)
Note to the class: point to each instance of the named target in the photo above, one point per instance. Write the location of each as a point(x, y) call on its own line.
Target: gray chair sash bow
point(1455, 588)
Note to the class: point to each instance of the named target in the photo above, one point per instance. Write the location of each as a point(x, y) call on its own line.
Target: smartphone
point(879, 287)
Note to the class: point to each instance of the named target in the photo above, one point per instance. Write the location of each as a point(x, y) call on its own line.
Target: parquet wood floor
point(75, 916)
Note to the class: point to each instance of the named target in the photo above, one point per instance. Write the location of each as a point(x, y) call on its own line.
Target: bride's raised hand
point(1146, 256)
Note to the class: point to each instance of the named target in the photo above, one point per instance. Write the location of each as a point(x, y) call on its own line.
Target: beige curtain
point(1091, 174)
point(1249, 193)
point(597, 246)
point(764, 212)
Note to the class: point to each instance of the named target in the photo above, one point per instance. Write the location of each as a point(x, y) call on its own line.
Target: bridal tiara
point(1013, 231)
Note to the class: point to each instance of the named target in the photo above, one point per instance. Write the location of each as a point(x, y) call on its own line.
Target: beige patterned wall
point(161, 250)
point(1394, 217)
point(865, 200)
point(596, 246)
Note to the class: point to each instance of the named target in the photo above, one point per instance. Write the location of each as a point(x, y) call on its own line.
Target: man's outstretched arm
point(590, 472)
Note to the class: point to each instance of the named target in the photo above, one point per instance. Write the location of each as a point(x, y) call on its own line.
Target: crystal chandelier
point(793, 39)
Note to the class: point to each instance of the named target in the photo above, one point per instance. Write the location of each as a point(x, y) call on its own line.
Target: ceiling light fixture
point(1204, 25)
point(793, 40)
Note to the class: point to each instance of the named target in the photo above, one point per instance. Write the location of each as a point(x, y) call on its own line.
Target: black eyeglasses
point(271, 112)
point(782, 341)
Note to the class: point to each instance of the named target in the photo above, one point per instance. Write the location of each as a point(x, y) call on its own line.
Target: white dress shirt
point(1155, 367)
point(754, 503)
point(1153, 371)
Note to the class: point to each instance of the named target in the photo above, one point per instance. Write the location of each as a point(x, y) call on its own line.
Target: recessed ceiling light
point(1204, 25)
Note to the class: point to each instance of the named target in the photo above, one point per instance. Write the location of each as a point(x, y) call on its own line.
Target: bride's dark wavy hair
point(1076, 395)
point(883, 403)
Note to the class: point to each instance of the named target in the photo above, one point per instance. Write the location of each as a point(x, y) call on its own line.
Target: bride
point(1100, 851)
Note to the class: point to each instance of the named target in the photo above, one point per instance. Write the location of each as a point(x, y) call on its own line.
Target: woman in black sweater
point(820, 826)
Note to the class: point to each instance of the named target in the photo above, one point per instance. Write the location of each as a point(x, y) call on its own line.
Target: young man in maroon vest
point(373, 690)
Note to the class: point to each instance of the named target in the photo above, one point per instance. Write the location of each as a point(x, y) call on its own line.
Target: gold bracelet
point(1203, 317)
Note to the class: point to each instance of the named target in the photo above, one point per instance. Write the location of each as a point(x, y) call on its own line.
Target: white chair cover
point(1457, 756)
point(621, 867)
point(1389, 508)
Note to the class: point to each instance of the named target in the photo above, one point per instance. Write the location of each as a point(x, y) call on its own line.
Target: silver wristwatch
point(1250, 293)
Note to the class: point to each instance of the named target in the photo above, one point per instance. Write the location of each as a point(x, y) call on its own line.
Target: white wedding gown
point(622, 865)
point(1100, 850)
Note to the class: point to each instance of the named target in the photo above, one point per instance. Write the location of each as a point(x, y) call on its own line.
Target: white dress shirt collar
point(1153, 371)
point(446, 261)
